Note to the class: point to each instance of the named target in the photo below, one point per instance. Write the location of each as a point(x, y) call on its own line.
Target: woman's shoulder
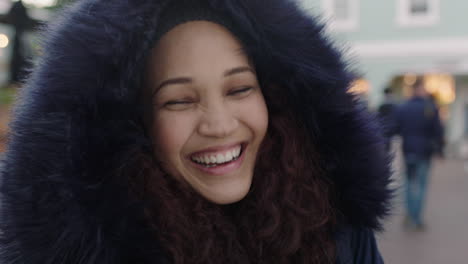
point(357, 245)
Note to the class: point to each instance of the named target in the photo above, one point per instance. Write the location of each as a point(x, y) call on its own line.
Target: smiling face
point(209, 114)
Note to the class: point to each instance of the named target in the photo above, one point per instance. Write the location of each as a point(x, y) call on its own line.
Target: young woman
point(178, 131)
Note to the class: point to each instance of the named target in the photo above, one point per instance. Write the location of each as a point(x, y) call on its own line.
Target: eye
point(240, 91)
point(181, 102)
point(178, 104)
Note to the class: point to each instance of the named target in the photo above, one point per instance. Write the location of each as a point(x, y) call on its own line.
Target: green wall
point(378, 21)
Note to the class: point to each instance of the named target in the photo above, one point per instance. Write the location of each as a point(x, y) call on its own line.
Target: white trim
point(349, 24)
point(411, 48)
point(405, 18)
point(435, 67)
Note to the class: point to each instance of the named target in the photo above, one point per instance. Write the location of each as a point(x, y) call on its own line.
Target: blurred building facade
point(393, 41)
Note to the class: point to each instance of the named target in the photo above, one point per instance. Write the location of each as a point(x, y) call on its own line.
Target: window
point(419, 7)
point(341, 9)
point(417, 12)
point(342, 14)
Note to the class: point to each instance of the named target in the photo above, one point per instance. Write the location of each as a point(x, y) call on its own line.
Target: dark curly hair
point(287, 216)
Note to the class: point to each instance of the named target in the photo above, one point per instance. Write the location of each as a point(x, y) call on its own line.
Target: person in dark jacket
point(386, 114)
point(178, 131)
point(421, 132)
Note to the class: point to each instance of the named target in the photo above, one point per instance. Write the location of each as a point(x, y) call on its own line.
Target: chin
point(224, 197)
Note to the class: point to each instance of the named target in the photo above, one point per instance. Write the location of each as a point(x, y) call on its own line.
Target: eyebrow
point(238, 70)
point(179, 80)
point(184, 80)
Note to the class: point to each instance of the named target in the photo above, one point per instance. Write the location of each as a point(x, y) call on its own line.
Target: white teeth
point(218, 158)
point(237, 152)
point(228, 156)
point(212, 159)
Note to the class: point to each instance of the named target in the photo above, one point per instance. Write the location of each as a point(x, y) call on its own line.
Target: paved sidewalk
point(446, 239)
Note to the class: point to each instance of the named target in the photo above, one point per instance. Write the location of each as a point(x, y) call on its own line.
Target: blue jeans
point(417, 173)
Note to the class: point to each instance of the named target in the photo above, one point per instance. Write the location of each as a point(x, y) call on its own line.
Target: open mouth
point(209, 160)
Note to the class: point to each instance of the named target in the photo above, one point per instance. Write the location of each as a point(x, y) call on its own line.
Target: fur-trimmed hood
point(78, 117)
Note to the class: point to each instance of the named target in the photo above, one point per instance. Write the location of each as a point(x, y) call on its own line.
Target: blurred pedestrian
point(386, 115)
point(421, 131)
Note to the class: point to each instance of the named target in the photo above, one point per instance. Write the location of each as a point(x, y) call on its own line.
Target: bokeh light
point(3, 41)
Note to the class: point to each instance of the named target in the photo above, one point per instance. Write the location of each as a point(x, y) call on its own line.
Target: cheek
point(170, 133)
point(255, 115)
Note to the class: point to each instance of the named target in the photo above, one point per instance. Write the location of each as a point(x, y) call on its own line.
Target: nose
point(218, 122)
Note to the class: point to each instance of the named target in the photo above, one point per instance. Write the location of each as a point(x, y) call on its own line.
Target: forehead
point(197, 42)
point(197, 30)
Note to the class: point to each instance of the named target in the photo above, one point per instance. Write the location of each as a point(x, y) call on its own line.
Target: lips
point(219, 160)
point(218, 157)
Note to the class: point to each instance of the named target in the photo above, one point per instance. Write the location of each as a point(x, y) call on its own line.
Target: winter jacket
point(78, 118)
point(420, 128)
point(387, 117)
